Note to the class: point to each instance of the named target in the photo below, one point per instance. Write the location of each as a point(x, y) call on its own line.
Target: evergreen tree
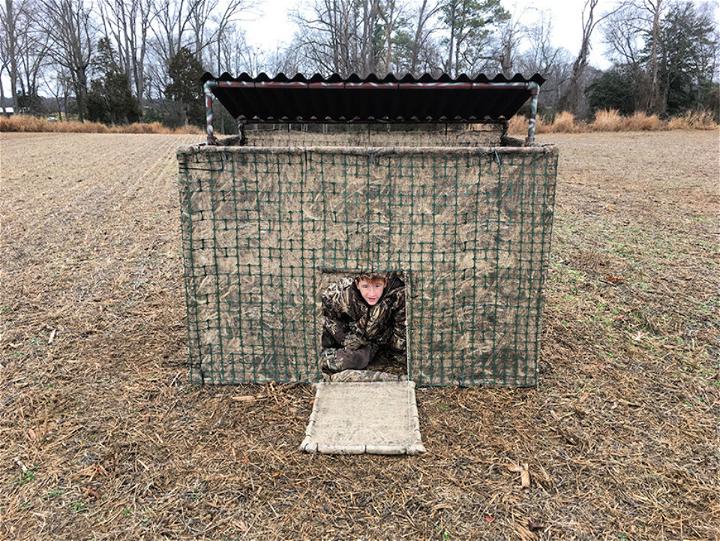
point(97, 107)
point(469, 24)
point(614, 89)
point(687, 52)
point(30, 103)
point(109, 99)
point(185, 90)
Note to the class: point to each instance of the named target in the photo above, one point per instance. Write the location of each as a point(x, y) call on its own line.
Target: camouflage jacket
point(348, 320)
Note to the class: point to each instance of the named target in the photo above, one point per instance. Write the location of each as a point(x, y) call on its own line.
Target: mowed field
point(102, 437)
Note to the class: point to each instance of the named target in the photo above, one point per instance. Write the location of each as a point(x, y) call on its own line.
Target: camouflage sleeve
point(385, 324)
point(398, 339)
point(334, 329)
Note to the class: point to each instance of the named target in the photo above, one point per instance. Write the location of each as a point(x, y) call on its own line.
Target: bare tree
point(542, 57)
point(510, 38)
point(3, 68)
point(288, 60)
point(623, 35)
point(339, 35)
point(170, 31)
point(171, 24)
point(234, 54)
point(69, 27)
point(590, 20)
point(633, 37)
point(209, 19)
point(15, 24)
point(128, 23)
point(32, 60)
point(391, 12)
point(59, 87)
point(423, 31)
point(320, 36)
point(654, 7)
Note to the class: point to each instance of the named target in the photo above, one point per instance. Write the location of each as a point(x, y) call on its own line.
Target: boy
point(362, 317)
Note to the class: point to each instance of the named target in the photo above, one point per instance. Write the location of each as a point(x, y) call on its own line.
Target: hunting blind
point(337, 176)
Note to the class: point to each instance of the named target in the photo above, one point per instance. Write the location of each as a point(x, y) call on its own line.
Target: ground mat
point(364, 417)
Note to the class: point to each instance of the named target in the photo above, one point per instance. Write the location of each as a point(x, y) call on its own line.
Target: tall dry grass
point(26, 123)
point(608, 120)
point(693, 120)
point(611, 120)
point(564, 123)
point(640, 121)
point(518, 125)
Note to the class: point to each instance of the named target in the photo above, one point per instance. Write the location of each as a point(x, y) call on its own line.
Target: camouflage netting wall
point(469, 227)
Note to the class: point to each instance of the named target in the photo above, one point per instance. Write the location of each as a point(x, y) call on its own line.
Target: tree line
point(119, 61)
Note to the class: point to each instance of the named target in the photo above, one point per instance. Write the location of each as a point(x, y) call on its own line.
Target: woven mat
point(369, 417)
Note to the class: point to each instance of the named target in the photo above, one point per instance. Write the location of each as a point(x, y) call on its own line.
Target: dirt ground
point(101, 436)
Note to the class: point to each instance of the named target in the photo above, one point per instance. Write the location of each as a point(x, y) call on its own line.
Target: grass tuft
point(693, 120)
point(564, 123)
point(607, 120)
point(640, 121)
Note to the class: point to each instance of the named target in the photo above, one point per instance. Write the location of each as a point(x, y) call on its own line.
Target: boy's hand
point(354, 359)
point(344, 359)
point(354, 341)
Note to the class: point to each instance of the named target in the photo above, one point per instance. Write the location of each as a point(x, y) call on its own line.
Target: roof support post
point(504, 124)
point(207, 87)
point(534, 91)
point(241, 131)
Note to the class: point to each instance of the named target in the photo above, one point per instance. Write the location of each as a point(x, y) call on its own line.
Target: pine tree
point(110, 100)
point(185, 90)
point(687, 52)
point(469, 24)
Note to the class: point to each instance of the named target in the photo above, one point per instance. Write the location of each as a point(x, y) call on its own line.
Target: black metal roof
point(371, 99)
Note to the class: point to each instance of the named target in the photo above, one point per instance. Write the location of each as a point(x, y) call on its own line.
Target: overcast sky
point(274, 27)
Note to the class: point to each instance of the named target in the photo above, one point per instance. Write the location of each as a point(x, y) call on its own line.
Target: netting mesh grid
point(469, 227)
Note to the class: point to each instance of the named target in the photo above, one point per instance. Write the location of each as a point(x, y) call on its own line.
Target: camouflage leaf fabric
point(354, 341)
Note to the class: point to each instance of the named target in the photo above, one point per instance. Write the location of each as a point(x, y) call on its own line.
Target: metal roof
point(371, 99)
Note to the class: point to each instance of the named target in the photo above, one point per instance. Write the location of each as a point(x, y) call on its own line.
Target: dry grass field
point(101, 436)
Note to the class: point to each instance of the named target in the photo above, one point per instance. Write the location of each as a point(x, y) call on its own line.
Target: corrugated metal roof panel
point(355, 99)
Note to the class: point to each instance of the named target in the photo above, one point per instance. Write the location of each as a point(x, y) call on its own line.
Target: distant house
point(7, 111)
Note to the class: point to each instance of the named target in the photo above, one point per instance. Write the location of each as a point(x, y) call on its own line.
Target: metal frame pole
point(534, 91)
point(504, 124)
point(207, 87)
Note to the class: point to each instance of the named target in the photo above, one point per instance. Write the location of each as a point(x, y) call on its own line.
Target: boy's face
point(371, 290)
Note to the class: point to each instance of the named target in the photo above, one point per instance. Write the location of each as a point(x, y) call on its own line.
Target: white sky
point(274, 26)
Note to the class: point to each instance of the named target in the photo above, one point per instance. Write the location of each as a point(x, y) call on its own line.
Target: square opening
point(360, 329)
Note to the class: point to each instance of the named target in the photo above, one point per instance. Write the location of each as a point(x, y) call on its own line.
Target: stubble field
point(102, 437)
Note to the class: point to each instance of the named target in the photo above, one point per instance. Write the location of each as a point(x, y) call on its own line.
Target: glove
point(354, 341)
point(355, 359)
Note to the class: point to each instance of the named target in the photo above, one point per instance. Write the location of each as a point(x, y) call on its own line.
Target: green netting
point(469, 228)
